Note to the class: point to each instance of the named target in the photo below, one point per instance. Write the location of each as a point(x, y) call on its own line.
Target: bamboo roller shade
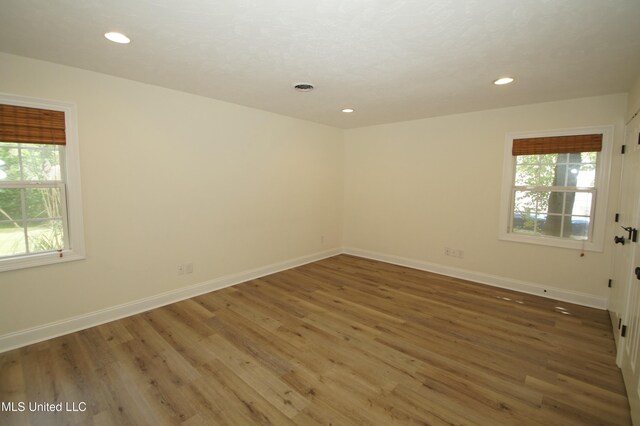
point(557, 145)
point(31, 125)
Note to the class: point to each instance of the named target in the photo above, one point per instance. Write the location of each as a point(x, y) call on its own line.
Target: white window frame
point(598, 219)
point(74, 218)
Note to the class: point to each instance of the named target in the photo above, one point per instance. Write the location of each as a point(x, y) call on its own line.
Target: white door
point(623, 251)
point(630, 359)
point(628, 345)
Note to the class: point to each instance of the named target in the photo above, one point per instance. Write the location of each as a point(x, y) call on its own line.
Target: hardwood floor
point(338, 342)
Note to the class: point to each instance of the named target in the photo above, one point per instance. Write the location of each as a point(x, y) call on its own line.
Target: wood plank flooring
point(343, 341)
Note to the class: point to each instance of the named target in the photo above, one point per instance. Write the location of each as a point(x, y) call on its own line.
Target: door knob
point(619, 240)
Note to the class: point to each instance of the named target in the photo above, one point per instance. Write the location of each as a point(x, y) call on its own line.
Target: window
point(554, 189)
point(40, 207)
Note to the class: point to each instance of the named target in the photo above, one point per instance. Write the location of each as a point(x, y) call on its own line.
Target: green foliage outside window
point(30, 215)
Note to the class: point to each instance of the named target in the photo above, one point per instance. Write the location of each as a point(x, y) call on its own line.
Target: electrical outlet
point(180, 269)
point(189, 268)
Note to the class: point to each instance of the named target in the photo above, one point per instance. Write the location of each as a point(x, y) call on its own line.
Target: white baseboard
point(48, 331)
point(578, 298)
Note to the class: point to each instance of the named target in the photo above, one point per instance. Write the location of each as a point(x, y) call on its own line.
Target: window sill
point(553, 242)
point(42, 259)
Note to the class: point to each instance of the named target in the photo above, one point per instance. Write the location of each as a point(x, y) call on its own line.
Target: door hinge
point(623, 149)
point(619, 323)
point(617, 218)
point(610, 282)
point(623, 332)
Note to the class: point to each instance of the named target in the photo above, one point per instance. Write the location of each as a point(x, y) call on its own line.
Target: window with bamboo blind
point(40, 208)
point(554, 189)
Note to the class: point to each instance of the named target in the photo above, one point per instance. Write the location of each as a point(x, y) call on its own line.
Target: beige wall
point(414, 188)
point(170, 178)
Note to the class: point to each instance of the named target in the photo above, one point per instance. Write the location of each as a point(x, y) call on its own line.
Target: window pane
point(589, 157)
point(45, 235)
point(547, 173)
point(43, 202)
point(586, 175)
point(581, 204)
point(576, 227)
point(530, 211)
point(10, 204)
point(11, 239)
point(555, 202)
point(524, 223)
point(531, 201)
point(552, 225)
point(9, 164)
point(527, 174)
point(41, 162)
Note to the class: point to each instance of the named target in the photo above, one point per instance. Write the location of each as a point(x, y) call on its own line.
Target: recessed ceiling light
point(303, 87)
point(348, 110)
point(118, 38)
point(503, 80)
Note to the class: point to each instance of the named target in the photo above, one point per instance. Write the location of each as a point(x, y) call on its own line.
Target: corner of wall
point(633, 100)
point(342, 201)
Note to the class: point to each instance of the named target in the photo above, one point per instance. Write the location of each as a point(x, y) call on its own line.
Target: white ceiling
point(391, 60)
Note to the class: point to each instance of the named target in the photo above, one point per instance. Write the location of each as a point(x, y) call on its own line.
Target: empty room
point(339, 212)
